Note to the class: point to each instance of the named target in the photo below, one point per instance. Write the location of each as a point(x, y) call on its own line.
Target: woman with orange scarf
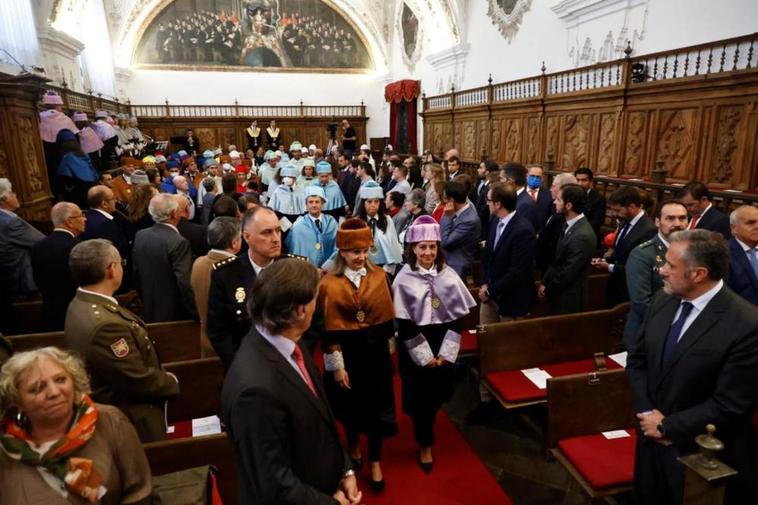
point(57, 447)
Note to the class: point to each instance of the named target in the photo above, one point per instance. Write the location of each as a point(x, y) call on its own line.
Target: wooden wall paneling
point(605, 154)
point(751, 145)
point(512, 138)
point(676, 141)
point(496, 138)
point(532, 140)
point(727, 154)
point(634, 158)
point(482, 137)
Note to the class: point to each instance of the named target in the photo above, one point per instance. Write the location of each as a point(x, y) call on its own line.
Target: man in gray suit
point(163, 265)
point(565, 282)
point(16, 240)
point(460, 227)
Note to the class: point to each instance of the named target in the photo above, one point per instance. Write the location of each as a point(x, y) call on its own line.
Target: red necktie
point(533, 194)
point(693, 222)
point(297, 355)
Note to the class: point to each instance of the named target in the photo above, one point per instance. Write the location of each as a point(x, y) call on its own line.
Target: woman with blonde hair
point(136, 211)
point(358, 318)
point(434, 185)
point(57, 446)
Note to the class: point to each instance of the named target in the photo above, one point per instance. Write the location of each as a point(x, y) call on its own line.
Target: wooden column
point(22, 158)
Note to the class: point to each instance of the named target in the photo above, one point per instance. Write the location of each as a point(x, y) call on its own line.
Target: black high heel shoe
point(377, 486)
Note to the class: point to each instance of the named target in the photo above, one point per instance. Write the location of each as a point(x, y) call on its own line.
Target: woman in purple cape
point(430, 304)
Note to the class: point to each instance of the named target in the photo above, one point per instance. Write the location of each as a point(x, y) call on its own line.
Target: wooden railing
point(90, 102)
point(690, 110)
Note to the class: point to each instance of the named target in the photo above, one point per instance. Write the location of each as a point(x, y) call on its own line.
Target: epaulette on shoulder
point(224, 262)
point(647, 243)
point(293, 256)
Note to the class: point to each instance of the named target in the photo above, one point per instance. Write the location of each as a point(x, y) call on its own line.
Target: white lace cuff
point(451, 344)
point(419, 350)
point(334, 361)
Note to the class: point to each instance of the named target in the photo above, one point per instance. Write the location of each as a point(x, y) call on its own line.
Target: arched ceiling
point(441, 22)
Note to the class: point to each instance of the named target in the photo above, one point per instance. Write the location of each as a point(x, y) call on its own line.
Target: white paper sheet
point(619, 358)
point(206, 426)
point(610, 435)
point(537, 376)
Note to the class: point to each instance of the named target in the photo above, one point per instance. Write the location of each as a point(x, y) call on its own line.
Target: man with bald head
point(102, 221)
point(189, 192)
point(232, 279)
point(50, 263)
point(163, 264)
point(743, 252)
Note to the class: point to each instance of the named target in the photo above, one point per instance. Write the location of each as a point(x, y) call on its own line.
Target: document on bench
point(538, 376)
point(206, 426)
point(619, 358)
point(610, 435)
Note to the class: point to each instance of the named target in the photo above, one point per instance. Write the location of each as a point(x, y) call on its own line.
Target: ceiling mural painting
point(305, 35)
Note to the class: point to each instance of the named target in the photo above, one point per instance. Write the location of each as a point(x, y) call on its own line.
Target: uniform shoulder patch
point(224, 262)
point(647, 243)
point(293, 256)
point(120, 348)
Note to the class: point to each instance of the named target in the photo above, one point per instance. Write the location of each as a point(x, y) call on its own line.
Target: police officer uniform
point(643, 281)
point(122, 361)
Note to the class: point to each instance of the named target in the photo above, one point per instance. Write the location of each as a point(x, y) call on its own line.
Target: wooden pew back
point(200, 383)
point(526, 343)
point(180, 454)
point(585, 404)
point(175, 340)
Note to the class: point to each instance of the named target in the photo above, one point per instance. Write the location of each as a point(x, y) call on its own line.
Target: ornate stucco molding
point(508, 22)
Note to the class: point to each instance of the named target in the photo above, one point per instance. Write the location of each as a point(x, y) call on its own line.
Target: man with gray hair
point(104, 221)
point(694, 363)
point(120, 356)
point(16, 239)
point(163, 263)
point(225, 240)
point(50, 263)
point(743, 246)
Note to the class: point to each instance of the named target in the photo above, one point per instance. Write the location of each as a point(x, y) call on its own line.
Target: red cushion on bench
point(602, 462)
point(469, 342)
point(513, 386)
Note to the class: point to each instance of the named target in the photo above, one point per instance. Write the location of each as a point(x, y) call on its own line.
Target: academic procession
point(541, 290)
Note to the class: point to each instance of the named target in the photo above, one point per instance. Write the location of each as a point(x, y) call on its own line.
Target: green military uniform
point(122, 361)
point(643, 281)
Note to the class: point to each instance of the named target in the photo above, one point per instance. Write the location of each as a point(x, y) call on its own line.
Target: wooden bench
point(561, 345)
point(30, 316)
point(200, 383)
point(580, 408)
point(180, 454)
point(175, 340)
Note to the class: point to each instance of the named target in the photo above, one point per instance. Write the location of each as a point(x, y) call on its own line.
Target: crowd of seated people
point(197, 237)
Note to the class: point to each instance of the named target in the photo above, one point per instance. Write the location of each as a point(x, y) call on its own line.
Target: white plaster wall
point(261, 88)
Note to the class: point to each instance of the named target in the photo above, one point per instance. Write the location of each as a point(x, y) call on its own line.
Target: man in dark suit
point(163, 264)
point(540, 195)
point(547, 238)
point(487, 172)
point(50, 262)
point(703, 215)
point(274, 404)
point(196, 234)
point(350, 183)
point(232, 279)
point(564, 284)
point(743, 247)
point(515, 173)
point(460, 228)
point(507, 291)
point(595, 201)
point(694, 363)
point(636, 228)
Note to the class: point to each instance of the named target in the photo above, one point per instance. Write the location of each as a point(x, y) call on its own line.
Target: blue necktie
point(622, 233)
point(674, 332)
point(752, 257)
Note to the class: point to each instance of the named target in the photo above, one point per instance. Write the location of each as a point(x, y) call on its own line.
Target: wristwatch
point(661, 429)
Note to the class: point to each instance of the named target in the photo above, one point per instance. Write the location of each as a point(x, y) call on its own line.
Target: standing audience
point(743, 246)
point(460, 228)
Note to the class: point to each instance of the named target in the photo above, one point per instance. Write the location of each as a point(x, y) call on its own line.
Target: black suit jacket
point(286, 443)
point(715, 220)
point(542, 208)
point(566, 279)
point(595, 211)
point(482, 209)
point(53, 277)
point(643, 231)
point(710, 378)
point(741, 278)
point(99, 226)
point(525, 206)
point(162, 266)
point(547, 241)
point(197, 235)
point(228, 318)
point(509, 268)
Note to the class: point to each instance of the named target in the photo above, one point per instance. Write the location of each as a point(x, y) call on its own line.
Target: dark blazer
point(99, 226)
point(547, 241)
point(741, 277)
point(643, 231)
point(286, 443)
point(566, 279)
point(53, 277)
point(460, 238)
point(525, 206)
point(16, 239)
point(710, 378)
point(479, 197)
point(595, 211)
point(542, 207)
point(162, 268)
point(508, 270)
point(715, 220)
point(228, 319)
point(350, 186)
point(197, 235)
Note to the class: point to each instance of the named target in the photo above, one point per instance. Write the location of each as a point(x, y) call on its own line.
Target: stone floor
point(515, 454)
